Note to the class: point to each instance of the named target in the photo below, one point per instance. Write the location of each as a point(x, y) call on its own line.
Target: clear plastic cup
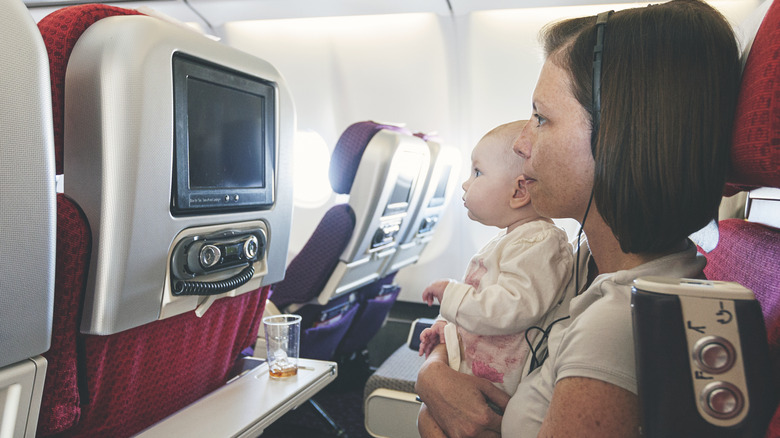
point(282, 340)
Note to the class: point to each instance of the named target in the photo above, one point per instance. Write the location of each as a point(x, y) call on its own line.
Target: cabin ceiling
point(215, 13)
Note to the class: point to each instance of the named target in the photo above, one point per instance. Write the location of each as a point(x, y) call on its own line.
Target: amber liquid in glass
point(287, 371)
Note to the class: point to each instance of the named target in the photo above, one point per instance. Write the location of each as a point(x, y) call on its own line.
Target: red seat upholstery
point(749, 253)
point(117, 385)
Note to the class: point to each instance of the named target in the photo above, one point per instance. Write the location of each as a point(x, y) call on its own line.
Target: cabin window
point(311, 161)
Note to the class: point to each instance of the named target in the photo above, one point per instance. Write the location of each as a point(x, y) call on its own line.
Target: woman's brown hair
point(669, 89)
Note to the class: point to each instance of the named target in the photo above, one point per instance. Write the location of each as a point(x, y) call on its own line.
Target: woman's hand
point(427, 426)
point(456, 402)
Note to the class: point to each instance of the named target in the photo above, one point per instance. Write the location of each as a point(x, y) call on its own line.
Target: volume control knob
point(210, 255)
point(250, 247)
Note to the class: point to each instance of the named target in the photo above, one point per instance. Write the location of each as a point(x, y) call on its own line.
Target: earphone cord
point(538, 359)
point(579, 242)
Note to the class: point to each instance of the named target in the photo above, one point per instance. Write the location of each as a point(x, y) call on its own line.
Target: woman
point(641, 162)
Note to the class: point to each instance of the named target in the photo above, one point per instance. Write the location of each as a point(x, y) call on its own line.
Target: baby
point(513, 283)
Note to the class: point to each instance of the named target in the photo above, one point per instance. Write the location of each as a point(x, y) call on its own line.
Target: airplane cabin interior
point(174, 171)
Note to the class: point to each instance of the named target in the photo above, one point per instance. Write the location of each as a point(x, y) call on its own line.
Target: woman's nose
point(522, 146)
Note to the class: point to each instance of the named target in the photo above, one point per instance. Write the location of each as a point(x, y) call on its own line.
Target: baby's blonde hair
point(507, 134)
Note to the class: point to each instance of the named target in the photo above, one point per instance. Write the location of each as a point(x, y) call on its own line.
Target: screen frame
point(395, 208)
point(408, 158)
point(186, 200)
point(439, 196)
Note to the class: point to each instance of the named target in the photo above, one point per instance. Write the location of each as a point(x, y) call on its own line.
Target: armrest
point(418, 325)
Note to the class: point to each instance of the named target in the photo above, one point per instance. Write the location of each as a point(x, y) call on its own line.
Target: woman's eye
point(539, 120)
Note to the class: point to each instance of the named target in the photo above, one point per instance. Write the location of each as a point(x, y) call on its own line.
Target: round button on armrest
point(722, 400)
point(714, 354)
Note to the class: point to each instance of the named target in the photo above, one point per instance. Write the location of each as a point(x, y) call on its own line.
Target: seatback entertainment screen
point(225, 130)
point(224, 139)
point(398, 202)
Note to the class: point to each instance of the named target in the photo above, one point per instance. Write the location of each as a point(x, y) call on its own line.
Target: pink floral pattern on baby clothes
point(475, 272)
point(482, 369)
point(493, 357)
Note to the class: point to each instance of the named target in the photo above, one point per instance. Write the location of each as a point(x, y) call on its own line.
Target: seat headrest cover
point(755, 153)
point(349, 149)
point(59, 45)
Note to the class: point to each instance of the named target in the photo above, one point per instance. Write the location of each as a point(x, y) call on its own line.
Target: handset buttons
point(722, 400)
point(714, 354)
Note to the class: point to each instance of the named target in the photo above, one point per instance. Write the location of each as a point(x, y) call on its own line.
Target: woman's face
point(556, 146)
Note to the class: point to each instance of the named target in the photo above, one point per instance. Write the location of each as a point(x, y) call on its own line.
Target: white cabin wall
point(341, 70)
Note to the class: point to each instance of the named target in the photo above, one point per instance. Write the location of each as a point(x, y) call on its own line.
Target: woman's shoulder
point(598, 341)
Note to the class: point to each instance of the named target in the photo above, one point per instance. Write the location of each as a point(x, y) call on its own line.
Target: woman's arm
point(584, 407)
point(456, 402)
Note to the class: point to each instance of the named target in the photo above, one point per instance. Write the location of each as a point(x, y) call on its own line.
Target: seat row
point(146, 209)
point(341, 280)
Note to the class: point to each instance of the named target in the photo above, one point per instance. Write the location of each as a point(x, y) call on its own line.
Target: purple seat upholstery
point(310, 269)
point(325, 325)
point(377, 299)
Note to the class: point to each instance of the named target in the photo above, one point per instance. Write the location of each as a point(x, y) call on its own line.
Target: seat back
point(383, 171)
point(377, 299)
point(381, 167)
point(748, 250)
point(27, 189)
point(440, 182)
point(132, 316)
point(27, 219)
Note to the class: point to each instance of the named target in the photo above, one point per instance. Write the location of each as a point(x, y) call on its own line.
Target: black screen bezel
point(186, 200)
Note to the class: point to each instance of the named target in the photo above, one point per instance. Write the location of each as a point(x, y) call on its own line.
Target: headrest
point(433, 136)
point(349, 149)
point(755, 154)
point(75, 20)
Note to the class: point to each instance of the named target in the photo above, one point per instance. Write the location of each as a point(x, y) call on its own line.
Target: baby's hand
point(431, 337)
point(435, 290)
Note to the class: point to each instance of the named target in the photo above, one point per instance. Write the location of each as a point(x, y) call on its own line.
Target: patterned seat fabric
point(118, 385)
point(748, 253)
point(398, 372)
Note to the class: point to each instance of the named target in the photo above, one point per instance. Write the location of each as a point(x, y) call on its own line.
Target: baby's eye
point(539, 120)
point(477, 173)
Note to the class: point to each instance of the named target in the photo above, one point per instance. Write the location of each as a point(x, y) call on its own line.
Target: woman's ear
point(521, 197)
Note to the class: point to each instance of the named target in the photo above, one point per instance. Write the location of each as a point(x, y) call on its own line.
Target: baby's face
point(491, 183)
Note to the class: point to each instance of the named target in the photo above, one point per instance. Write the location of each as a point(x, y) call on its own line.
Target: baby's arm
point(431, 337)
point(435, 290)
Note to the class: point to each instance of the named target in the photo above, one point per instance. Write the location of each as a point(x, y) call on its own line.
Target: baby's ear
point(521, 197)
